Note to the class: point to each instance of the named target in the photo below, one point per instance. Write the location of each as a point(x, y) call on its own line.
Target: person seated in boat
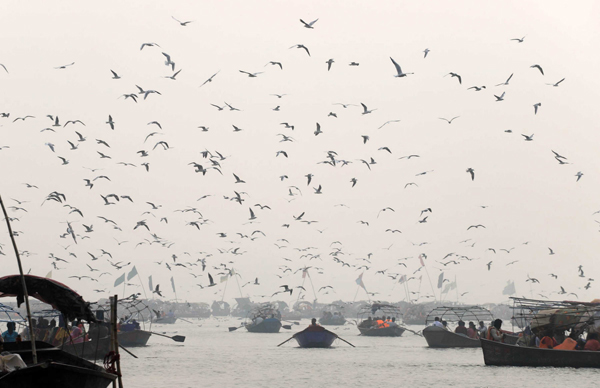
point(472, 331)
point(592, 342)
point(9, 361)
point(392, 322)
point(482, 330)
point(10, 335)
point(314, 326)
point(495, 332)
point(445, 325)
point(77, 335)
point(461, 328)
point(171, 314)
point(437, 322)
point(367, 322)
point(548, 341)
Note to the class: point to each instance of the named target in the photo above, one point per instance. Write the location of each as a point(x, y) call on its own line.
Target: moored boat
point(444, 337)
point(311, 338)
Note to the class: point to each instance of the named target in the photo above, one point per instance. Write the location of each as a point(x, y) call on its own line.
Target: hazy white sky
point(531, 202)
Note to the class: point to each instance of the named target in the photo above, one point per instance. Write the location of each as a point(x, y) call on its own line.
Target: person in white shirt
point(436, 322)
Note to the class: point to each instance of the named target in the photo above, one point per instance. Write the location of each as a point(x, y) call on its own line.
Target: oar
point(176, 338)
point(414, 332)
point(340, 338)
point(131, 354)
point(285, 341)
point(234, 328)
point(185, 320)
point(288, 327)
point(295, 323)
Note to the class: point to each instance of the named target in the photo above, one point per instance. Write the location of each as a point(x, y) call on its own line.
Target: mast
point(25, 294)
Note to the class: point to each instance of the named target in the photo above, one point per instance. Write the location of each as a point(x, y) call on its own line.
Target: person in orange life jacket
point(547, 341)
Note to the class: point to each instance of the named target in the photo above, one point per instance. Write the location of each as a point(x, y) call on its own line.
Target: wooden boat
point(269, 325)
point(220, 309)
point(133, 338)
point(55, 368)
point(438, 337)
point(308, 338)
point(393, 331)
point(497, 353)
point(332, 315)
point(90, 350)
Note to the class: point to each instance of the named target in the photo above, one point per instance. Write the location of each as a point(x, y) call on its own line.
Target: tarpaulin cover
point(49, 291)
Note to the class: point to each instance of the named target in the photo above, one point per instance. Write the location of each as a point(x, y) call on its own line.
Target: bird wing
point(397, 66)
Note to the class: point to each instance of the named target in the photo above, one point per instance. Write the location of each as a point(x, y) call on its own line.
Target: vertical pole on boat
point(430, 283)
point(115, 340)
point(25, 294)
point(407, 291)
point(456, 287)
point(238, 283)
point(142, 284)
point(225, 288)
point(312, 285)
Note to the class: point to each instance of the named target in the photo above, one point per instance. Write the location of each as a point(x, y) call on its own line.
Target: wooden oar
point(287, 327)
point(131, 354)
point(176, 338)
point(234, 328)
point(285, 341)
point(292, 322)
point(185, 320)
point(410, 331)
point(340, 338)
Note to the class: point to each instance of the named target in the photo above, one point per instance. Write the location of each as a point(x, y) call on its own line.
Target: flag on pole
point(224, 278)
point(173, 284)
point(120, 279)
point(359, 281)
point(509, 289)
point(441, 280)
point(402, 279)
point(150, 283)
point(132, 273)
point(421, 257)
point(449, 287)
point(304, 272)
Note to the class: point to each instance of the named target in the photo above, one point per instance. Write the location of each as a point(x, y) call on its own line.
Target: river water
point(211, 356)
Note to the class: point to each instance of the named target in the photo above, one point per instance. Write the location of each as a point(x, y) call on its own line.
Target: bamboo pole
point(115, 340)
point(24, 285)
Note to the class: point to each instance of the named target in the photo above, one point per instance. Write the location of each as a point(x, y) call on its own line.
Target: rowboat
point(165, 320)
point(392, 331)
point(332, 316)
point(502, 354)
point(308, 338)
point(134, 337)
point(269, 325)
point(438, 337)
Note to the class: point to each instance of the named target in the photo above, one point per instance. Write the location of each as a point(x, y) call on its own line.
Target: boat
point(264, 319)
point(165, 320)
point(439, 337)
point(378, 327)
point(502, 354)
point(54, 367)
point(311, 337)
point(541, 317)
point(332, 316)
point(220, 309)
point(135, 337)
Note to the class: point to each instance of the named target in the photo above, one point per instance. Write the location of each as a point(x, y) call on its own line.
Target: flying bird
point(399, 72)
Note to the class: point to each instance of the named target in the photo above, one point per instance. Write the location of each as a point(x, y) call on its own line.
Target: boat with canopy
point(264, 319)
point(439, 337)
point(332, 316)
point(380, 320)
point(557, 317)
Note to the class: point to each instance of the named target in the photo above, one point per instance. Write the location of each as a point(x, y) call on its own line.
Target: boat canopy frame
point(389, 310)
point(556, 315)
point(455, 314)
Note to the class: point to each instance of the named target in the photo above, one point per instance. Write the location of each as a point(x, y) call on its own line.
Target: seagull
point(251, 75)
point(449, 121)
point(308, 25)
point(556, 84)
point(578, 175)
point(115, 75)
point(519, 40)
point(4, 67)
point(425, 52)
point(388, 122)
point(477, 88)
point(506, 82)
point(501, 97)
point(65, 66)
point(536, 106)
point(476, 226)
point(399, 70)
point(528, 138)
point(210, 79)
point(301, 46)
point(110, 122)
point(275, 64)
point(174, 75)
point(551, 251)
point(455, 75)
point(537, 67)
point(329, 62)
point(149, 45)
point(182, 23)
point(472, 172)
point(365, 110)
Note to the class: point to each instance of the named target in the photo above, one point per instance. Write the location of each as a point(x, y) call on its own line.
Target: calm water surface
point(214, 357)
